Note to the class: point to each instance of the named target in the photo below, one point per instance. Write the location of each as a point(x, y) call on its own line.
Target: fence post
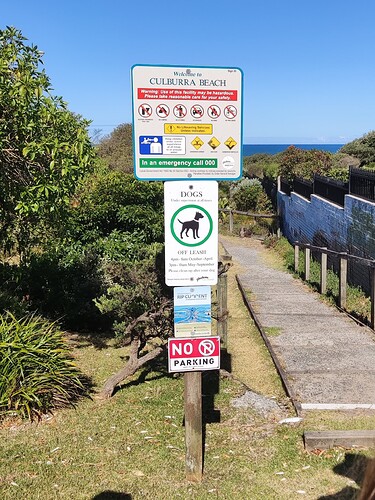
point(278, 207)
point(323, 272)
point(222, 322)
point(307, 264)
point(296, 257)
point(372, 277)
point(230, 221)
point(343, 278)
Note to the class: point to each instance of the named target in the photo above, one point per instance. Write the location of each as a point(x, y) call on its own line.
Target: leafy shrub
point(249, 195)
point(116, 149)
point(271, 170)
point(253, 166)
point(112, 201)
point(36, 370)
point(296, 162)
point(63, 282)
point(362, 148)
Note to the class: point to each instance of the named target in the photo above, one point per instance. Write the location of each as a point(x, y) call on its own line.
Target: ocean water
point(252, 149)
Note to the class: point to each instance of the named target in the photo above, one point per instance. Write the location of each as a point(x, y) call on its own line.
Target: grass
point(357, 303)
point(134, 443)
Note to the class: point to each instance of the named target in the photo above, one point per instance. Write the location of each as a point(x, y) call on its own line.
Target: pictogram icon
point(197, 143)
point(162, 111)
point(213, 111)
point(206, 347)
point(145, 110)
point(230, 112)
point(180, 111)
point(230, 143)
point(197, 111)
point(214, 143)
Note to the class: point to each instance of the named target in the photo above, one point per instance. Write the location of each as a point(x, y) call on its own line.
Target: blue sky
point(309, 66)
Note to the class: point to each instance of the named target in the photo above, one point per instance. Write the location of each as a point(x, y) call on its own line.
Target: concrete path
point(328, 360)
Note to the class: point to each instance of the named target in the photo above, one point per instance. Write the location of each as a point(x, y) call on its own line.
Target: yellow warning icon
point(230, 143)
point(213, 142)
point(197, 143)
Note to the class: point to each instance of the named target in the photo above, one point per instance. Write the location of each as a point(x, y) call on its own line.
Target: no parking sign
point(185, 355)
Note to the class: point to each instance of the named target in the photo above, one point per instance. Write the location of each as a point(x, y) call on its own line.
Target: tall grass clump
point(37, 373)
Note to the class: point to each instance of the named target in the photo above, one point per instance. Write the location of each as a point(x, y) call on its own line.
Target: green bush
point(62, 283)
point(37, 374)
point(249, 195)
point(112, 201)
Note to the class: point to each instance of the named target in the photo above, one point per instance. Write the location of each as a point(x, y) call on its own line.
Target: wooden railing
point(342, 274)
point(249, 214)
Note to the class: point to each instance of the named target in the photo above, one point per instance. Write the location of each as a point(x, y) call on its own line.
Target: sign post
point(187, 130)
point(193, 426)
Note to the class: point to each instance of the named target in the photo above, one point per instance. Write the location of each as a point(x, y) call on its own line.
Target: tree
point(362, 148)
point(117, 149)
point(44, 148)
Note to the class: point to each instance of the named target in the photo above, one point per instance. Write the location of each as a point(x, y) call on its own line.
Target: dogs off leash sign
point(191, 232)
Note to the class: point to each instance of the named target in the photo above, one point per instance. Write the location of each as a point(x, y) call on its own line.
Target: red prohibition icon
point(197, 111)
point(179, 111)
point(162, 110)
point(230, 112)
point(214, 111)
point(145, 110)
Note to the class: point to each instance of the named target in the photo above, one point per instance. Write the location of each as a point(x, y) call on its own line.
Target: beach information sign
point(192, 311)
point(191, 232)
point(187, 122)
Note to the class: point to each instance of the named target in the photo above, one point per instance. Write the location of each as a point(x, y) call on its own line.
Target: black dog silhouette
point(191, 224)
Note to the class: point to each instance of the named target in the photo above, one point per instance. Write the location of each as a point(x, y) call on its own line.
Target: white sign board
point(191, 232)
point(187, 122)
point(192, 311)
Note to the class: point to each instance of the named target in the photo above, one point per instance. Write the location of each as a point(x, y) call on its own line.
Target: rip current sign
point(199, 354)
point(191, 232)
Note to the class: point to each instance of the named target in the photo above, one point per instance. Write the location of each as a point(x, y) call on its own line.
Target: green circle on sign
point(179, 239)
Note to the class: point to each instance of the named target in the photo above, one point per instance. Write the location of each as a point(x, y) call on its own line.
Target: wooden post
point(372, 277)
point(296, 257)
point(323, 272)
point(343, 278)
point(193, 426)
point(278, 207)
point(230, 221)
point(307, 264)
point(222, 323)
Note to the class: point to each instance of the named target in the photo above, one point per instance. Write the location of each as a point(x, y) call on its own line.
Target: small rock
point(261, 404)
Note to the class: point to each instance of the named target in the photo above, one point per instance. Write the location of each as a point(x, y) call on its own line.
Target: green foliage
point(249, 195)
point(117, 149)
point(111, 201)
point(261, 165)
point(44, 148)
point(271, 170)
point(296, 162)
point(131, 291)
point(112, 240)
point(362, 148)
point(36, 370)
point(63, 282)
